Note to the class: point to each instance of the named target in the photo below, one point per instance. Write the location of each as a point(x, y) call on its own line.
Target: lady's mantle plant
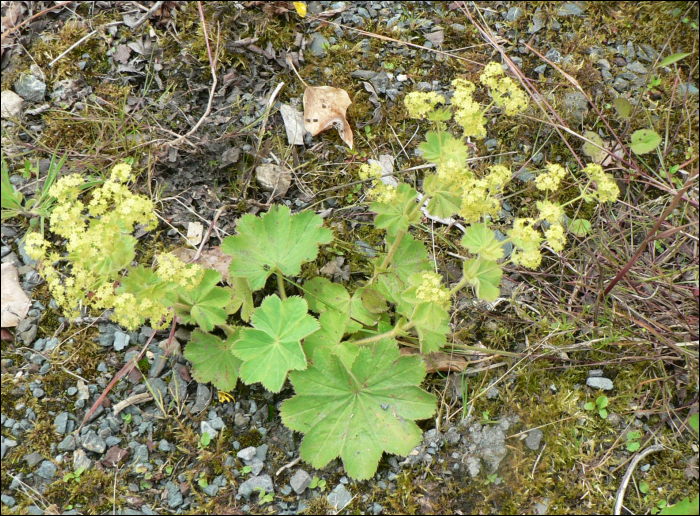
point(356, 396)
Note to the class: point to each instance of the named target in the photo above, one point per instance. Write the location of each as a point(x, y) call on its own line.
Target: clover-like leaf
point(276, 241)
point(204, 305)
point(479, 239)
point(644, 140)
point(329, 336)
point(485, 277)
point(400, 213)
point(273, 346)
point(441, 147)
point(358, 411)
point(212, 360)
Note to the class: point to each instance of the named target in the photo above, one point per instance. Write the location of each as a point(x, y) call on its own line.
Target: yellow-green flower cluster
point(479, 196)
point(550, 211)
point(100, 247)
point(505, 91)
point(556, 237)
point(380, 191)
point(432, 290)
point(171, 268)
point(551, 179)
point(468, 113)
point(527, 241)
point(607, 187)
point(419, 103)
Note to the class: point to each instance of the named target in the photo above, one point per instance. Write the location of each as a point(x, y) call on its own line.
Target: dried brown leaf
point(324, 107)
point(212, 258)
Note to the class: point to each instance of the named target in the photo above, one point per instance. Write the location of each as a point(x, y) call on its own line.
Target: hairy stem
point(280, 284)
point(396, 331)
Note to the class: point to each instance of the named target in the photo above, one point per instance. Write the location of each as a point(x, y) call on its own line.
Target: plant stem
point(280, 284)
point(387, 335)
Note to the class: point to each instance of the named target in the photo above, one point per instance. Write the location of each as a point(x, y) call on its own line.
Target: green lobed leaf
point(144, 283)
point(479, 239)
point(684, 507)
point(373, 301)
point(242, 298)
point(322, 294)
point(276, 241)
point(212, 360)
point(485, 277)
point(397, 215)
point(580, 227)
point(441, 147)
point(204, 305)
point(273, 346)
point(410, 257)
point(644, 140)
point(443, 200)
point(329, 336)
point(358, 411)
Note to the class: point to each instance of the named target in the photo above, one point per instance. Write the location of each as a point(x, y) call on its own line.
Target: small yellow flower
point(550, 211)
point(432, 290)
point(551, 179)
point(556, 237)
point(419, 103)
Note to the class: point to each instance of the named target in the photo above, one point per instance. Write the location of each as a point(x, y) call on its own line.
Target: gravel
point(300, 481)
point(600, 383)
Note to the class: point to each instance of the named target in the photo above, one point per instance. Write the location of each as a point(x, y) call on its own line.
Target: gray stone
point(595, 373)
point(637, 68)
point(47, 470)
point(211, 490)
point(319, 45)
point(534, 437)
point(164, 446)
point(206, 427)
point(93, 442)
point(10, 106)
point(174, 495)
point(300, 481)
point(121, 340)
point(261, 451)
point(250, 485)
point(217, 423)
point(29, 335)
point(554, 55)
point(140, 453)
point(377, 509)
point(570, 9)
point(514, 14)
point(68, 444)
point(689, 87)
point(339, 497)
point(202, 399)
point(240, 420)
point(32, 459)
point(81, 460)
point(621, 84)
point(30, 88)
point(538, 22)
point(246, 453)
point(256, 465)
point(541, 508)
point(51, 344)
point(61, 422)
point(576, 103)
point(600, 383)
point(8, 501)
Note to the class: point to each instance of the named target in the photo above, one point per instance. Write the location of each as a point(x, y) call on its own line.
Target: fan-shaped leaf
point(273, 346)
point(276, 241)
point(358, 411)
point(212, 360)
point(644, 140)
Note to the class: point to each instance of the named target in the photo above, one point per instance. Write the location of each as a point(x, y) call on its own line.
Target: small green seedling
point(168, 470)
point(74, 475)
point(246, 469)
point(126, 418)
point(202, 481)
point(492, 479)
point(633, 440)
point(600, 403)
point(264, 497)
point(204, 440)
point(317, 482)
point(694, 422)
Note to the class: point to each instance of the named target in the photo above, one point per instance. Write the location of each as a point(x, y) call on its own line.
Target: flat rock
point(11, 104)
point(534, 437)
point(81, 460)
point(94, 443)
point(600, 383)
point(339, 497)
point(246, 453)
point(47, 470)
point(61, 423)
point(30, 88)
point(250, 485)
point(300, 481)
point(273, 178)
